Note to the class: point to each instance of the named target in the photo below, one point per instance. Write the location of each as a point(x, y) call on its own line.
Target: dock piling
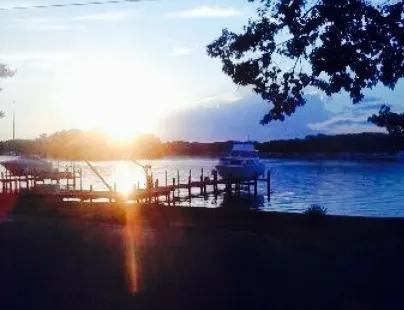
point(81, 178)
point(201, 182)
point(255, 187)
point(215, 187)
point(189, 185)
point(74, 176)
point(174, 192)
point(237, 187)
point(178, 182)
point(173, 189)
point(269, 184)
point(67, 176)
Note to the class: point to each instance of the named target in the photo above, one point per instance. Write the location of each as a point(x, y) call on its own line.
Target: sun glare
point(128, 126)
point(127, 175)
point(124, 99)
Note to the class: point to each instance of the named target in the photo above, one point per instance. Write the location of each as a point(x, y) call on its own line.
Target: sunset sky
point(142, 67)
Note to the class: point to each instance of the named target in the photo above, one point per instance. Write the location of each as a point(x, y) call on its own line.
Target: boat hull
point(28, 167)
point(240, 172)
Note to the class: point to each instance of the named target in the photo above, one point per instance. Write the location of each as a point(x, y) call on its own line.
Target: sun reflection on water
point(126, 176)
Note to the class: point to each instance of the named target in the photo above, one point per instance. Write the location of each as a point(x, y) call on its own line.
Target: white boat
point(241, 163)
point(29, 165)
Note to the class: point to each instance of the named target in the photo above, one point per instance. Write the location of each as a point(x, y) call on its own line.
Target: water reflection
point(244, 202)
point(347, 188)
point(126, 176)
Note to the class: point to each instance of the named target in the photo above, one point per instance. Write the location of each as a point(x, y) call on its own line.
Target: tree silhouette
point(5, 72)
point(393, 122)
point(291, 45)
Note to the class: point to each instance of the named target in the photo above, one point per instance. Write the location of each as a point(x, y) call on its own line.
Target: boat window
point(243, 154)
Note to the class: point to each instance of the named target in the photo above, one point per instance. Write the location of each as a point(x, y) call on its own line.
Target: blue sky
point(143, 67)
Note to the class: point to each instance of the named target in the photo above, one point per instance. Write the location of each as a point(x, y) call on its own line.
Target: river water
point(343, 187)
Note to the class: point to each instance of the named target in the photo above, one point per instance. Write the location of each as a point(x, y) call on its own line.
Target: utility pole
point(13, 120)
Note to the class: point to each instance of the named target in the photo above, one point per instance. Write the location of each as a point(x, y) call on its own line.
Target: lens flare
point(131, 240)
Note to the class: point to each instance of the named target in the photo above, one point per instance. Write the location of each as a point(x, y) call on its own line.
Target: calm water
point(346, 188)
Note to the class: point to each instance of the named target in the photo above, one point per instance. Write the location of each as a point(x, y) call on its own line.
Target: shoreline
point(370, 156)
point(222, 218)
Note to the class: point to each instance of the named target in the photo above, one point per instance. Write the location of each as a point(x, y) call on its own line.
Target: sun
point(122, 98)
point(127, 126)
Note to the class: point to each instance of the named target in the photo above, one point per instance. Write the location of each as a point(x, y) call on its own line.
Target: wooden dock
point(168, 193)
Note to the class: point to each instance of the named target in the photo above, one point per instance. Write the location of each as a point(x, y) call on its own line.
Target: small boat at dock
point(29, 165)
point(241, 163)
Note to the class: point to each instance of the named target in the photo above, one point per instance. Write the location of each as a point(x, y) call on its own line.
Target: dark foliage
point(5, 72)
point(359, 143)
point(393, 122)
point(339, 45)
point(315, 214)
point(315, 211)
point(79, 145)
point(92, 145)
point(183, 148)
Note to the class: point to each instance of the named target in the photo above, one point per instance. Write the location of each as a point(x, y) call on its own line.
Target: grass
point(59, 257)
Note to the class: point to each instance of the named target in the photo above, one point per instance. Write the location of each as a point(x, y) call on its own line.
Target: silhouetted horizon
point(77, 144)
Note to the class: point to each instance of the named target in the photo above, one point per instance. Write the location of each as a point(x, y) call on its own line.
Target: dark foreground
point(201, 259)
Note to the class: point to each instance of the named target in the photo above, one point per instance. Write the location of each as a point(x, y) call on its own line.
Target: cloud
point(181, 51)
point(229, 116)
point(355, 128)
point(43, 24)
point(371, 99)
point(235, 121)
point(105, 16)
point(36, 56)
point(48, 60)
point(12, 4)
point(353, 121)
point(370, 107)
point(206, 12)
point(77, 22)
point(56, 27)
point(228, 97)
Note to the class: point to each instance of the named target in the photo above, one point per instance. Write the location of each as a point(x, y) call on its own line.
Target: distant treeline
point(94, 145)
point(346, 143)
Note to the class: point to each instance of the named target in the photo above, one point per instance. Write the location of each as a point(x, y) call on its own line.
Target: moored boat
point(29, 165)
point(241, 163)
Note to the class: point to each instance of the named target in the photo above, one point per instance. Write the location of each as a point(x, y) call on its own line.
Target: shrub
point(316, 211)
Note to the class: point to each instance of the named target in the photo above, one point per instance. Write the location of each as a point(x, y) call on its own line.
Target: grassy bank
point(59, 256)
point(160, 216)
